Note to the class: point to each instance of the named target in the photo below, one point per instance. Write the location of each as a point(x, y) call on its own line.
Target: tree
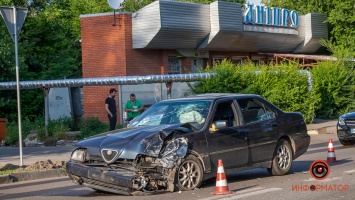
point(341, 20)
point(135, 5)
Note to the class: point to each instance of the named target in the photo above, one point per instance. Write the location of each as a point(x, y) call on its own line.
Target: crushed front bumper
point(120, 181)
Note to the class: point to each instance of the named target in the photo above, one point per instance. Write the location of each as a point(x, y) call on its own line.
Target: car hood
point(129, 142)
point(350, 115)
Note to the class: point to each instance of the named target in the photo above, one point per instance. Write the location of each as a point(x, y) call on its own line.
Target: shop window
point(218, 59)
point(256, 62)
point(174, 65)
point(239, 60)
point(196, 65)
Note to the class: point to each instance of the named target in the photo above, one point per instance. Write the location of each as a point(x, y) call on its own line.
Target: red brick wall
point(103, 55)
point(107, 51)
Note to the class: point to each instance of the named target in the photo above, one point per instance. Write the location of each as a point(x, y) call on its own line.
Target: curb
point(26, 176)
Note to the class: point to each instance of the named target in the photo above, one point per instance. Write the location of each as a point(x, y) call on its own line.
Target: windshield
point(194, 112)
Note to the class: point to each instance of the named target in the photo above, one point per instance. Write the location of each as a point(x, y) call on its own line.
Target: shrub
point(283, 85)
point(70, 123)
point(12, 133)
point(41, 133)
point(91, 126)
point(60, 132)
point(335, 83)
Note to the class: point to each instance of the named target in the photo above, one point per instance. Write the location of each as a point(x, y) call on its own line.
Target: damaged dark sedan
point(176, 144)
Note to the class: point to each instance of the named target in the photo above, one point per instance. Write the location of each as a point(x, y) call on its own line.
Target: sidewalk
point(322, 127)
point(32, 155)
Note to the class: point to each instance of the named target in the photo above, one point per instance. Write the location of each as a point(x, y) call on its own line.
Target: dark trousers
point(113, 121)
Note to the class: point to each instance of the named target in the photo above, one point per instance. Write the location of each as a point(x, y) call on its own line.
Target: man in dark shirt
point(110, 105)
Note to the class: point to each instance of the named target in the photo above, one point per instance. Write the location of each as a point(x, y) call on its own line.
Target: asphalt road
point(251, 184)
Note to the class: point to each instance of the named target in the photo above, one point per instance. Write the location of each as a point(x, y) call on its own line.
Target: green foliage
point(12, 134)
point(60, 132)
point(41, 133)
point(335, 83)
point(92, 126)
point(72, 124)
point(283, 85)
point(341, 20)
point(135, 5)
point(3, 172)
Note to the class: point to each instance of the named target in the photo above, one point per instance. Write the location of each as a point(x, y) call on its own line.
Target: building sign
point(262, 15)
point(269, 29)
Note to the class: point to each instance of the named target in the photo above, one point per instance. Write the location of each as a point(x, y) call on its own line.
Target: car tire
point(346, 143)
point(282, 159)
point(189, 174)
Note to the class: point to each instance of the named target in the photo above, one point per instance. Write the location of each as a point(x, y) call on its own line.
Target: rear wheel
point(346, 142)
point(189, 174)
point(282, 160)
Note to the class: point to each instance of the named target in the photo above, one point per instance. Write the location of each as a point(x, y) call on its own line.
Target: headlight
point(78, 155)
point(341, 120)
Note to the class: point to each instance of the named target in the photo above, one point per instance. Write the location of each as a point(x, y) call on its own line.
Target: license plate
point(352, 130)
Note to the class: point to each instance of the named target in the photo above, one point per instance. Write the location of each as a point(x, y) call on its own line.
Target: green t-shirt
point(130, 105)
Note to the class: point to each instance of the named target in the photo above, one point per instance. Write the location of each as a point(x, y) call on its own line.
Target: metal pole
point(18, 88)
point(120, 103)
point(46, 110)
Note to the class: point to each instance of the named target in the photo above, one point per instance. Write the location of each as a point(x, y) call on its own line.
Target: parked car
point(346, 129)
point(176, 144)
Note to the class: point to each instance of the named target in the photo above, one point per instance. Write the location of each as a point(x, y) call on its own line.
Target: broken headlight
point(78, 155)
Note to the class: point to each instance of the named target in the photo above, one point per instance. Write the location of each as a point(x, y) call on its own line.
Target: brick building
point(168, 37)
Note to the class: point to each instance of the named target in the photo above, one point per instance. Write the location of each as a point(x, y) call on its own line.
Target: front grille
point(350, 122)
point(109, 155)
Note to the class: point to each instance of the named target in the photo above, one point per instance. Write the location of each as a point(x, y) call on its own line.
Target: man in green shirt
point(133, 107)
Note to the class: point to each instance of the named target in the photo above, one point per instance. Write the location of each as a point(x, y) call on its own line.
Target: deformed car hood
point(130, 142)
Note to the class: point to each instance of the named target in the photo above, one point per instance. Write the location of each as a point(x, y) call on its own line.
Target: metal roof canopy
point(307, 60)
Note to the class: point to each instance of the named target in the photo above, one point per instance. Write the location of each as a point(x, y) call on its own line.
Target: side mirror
point(218, 124)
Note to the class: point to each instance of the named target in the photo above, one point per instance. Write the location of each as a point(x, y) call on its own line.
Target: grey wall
point(59, 103)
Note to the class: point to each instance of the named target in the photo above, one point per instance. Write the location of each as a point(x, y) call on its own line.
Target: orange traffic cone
point(221, 181)
point(331, 154)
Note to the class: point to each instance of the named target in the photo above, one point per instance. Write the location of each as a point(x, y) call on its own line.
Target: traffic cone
point(331, 154)
point(221, 181)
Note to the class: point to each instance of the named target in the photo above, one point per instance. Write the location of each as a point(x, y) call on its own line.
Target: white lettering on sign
point(268, 29)
point(270, 16)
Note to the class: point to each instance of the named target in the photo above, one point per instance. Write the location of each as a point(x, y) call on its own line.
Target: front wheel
point(189, 174)
point(282, 160)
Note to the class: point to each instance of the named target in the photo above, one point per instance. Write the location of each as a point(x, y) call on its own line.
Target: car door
point(261, 127)
point(228, 142)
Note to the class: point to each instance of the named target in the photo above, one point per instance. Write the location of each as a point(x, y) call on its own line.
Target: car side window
point(253, 111)
point(224, 112)
point(270, 114)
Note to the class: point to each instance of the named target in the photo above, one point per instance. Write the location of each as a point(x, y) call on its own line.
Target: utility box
point(2, 128)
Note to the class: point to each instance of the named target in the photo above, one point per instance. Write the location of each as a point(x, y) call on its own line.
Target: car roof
point(211, 96)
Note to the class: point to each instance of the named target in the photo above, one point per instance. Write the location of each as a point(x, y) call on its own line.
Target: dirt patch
point(40, 165)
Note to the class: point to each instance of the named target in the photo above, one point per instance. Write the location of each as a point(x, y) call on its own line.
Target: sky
point(255, 2)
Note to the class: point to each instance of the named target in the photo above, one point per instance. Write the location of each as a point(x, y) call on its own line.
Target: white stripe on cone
point(330, 145)
point(331, 154)
point(220, 170)
point(221, 183)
